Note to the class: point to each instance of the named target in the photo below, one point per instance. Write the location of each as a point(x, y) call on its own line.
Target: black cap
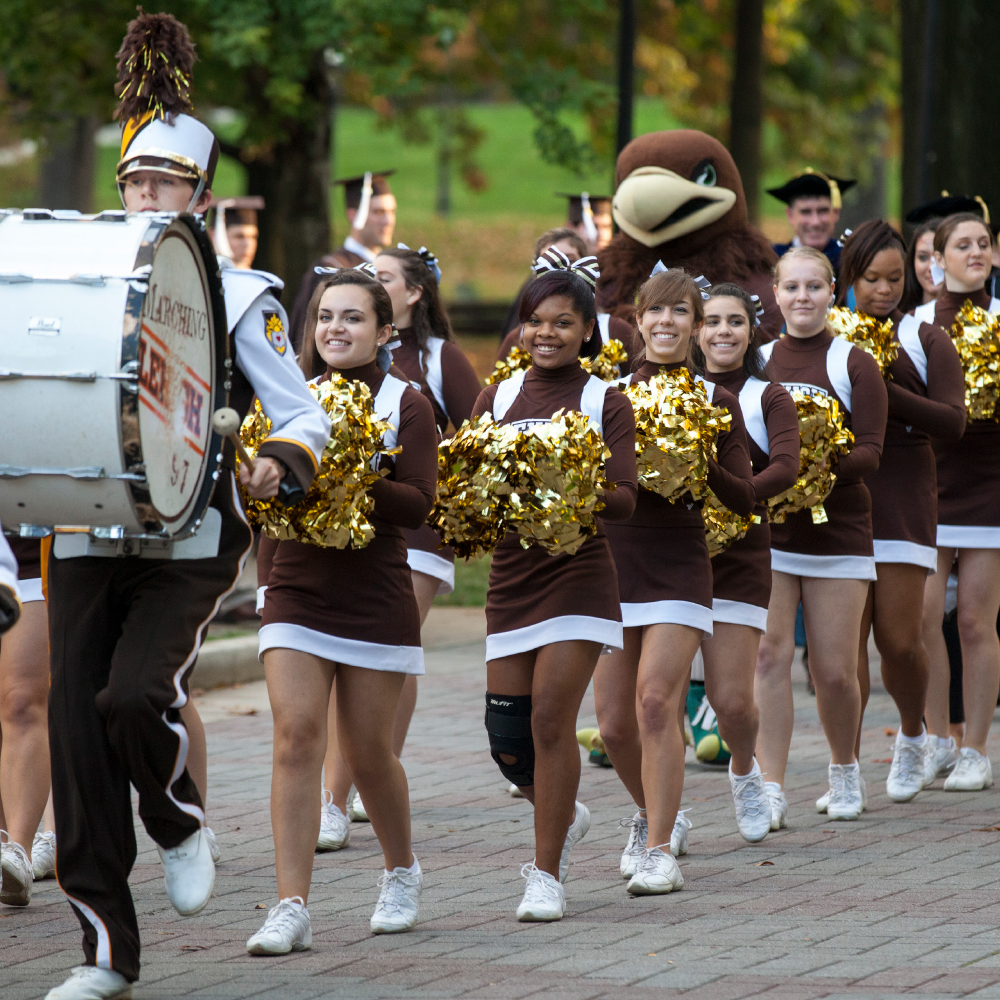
point(353, 186)
point(812, 184)
point(948, 204)
point(600, 204)
point(240, 211)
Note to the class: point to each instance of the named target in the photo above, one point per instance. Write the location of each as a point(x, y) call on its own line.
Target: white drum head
point(176, 377)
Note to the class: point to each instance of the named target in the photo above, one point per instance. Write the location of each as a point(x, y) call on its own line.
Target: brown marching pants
point(124, 634)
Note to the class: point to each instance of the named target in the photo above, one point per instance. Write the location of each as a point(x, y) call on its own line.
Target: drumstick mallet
point(226, 421)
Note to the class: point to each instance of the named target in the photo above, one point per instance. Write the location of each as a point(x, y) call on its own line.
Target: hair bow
point(554, 259)
point(844, 237)
point(428, 258)
point(701, 281)
point(365, 267)
point(758, 309)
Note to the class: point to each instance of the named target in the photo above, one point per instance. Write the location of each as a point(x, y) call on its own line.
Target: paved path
point(907, 900)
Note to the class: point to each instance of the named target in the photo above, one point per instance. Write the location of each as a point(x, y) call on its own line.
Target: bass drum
point(114, 355)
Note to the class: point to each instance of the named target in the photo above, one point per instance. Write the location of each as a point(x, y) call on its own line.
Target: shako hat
point(812, 184)
point(154, 87)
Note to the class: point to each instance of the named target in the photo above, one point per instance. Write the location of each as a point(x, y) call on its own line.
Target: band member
point(425, 353)
point(125, 631)
point(665, 586)
point(320, 627)
point(728, 350)
point(968, 531)
point(370, 207)
point(589, 215)
point(548, 616)
point(814, 203)
point(825, 566)
point(234, 231)
point(926, 399)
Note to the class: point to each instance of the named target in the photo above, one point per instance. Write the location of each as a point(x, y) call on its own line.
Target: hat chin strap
point(197, 194)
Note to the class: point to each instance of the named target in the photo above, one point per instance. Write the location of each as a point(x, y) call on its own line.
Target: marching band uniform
point(451, 387)
point(741, 574)
point(841, 548)
point(664, 571)
point(535, 598)
point(125, 630)
point(10, 589)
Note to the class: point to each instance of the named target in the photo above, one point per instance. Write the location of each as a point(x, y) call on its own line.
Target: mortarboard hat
point(359, 191)
point(240, 211)
point(599, 205)
point(812, 184)
point(948, 204)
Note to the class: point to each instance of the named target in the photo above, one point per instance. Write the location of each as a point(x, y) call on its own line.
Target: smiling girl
point(347, 617)
point(926, 399)
point(665, 585)
point(548, 616)
point(825, 566)
point(968, 531)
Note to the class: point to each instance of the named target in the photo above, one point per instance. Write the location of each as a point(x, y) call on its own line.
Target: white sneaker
point(334, 826)
point(189, 873)
point(845, 791)
point(544, 898)
point(779, 805)
point(87, 982)
point(43, 856)
point(213, 844)
point(657, 873)
point(287, 928)
point(906, 775)
point(515, 792)
point(15, 872)
point(972, 773)
point(753, 810)
point(679, 834)
point(356, 808)
point(823, 802)
point(939, 759)
point(396, 909)
point(576, 832)
point(635, 849)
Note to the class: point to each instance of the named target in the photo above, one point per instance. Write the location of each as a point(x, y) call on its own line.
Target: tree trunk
point(626, 71)
point(867, 200)
point(293, 177)
point(746, 100)
point(66, 175)
point(951, 109)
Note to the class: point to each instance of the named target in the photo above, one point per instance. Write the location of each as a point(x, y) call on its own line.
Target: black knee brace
point(508, 725)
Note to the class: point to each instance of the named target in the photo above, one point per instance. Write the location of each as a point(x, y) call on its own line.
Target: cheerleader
point(826, 566)
point(665, 586)
point(548, 616)
point(728, 351)
point(425, 353)
point(347, 617)
point(968, 530)
point(926, 399)
point(919, 285)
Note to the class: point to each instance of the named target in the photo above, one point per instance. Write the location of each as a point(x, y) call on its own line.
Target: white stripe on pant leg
point(103, 959)
point(180, 763)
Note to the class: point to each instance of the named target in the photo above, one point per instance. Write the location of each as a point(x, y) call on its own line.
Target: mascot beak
point(654, 205)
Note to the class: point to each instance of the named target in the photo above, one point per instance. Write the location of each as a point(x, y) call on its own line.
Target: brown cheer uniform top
point(356, 605)
point(741, 574)
point(840, 548)
point(341, 258)
point(442, 372)
point(535, 598)
point(664, 571)
point(926, 400)
point(609, 327)
point(968, 470)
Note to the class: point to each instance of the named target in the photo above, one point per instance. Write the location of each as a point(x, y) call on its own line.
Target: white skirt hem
point(898, 551)
point(967, 536)
point(823, 567)
point(739, 613)
point(432, 565)
point(668, 613)
point(337, 649)
point(561, 629)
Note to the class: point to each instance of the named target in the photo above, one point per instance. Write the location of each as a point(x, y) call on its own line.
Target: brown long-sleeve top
point(776, 469)
point(546, 390)
point(730, 473)
point(919, 411)
point(459, 385)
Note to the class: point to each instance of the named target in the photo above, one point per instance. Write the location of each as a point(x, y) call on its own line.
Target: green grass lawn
point(471, 580)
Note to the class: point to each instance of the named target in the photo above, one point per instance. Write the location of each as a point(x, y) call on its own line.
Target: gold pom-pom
point(473, 472)
point(676, 433)
point(870, 334)
point(606, 365)
point(517, 360)
point(822, 435)
point(976, 335)
point(556, 483)
point(722, 526)
point(335, 512)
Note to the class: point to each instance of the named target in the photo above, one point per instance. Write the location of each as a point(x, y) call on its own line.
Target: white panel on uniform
point(909, 339)
point(506, 394)
point(435, 376)
point(387, 405)
point(604, 326)
point(752, 404)
point(836, 369)
point(592, 401)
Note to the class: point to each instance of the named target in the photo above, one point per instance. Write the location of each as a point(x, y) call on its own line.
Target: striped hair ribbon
point(554, 259)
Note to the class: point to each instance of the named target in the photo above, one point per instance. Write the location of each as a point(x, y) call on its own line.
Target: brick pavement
point(907, 900)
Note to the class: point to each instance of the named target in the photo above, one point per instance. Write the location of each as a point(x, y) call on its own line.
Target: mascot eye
point(704, 174)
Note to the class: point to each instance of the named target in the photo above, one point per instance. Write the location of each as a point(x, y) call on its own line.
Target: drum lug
point(128, 376)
